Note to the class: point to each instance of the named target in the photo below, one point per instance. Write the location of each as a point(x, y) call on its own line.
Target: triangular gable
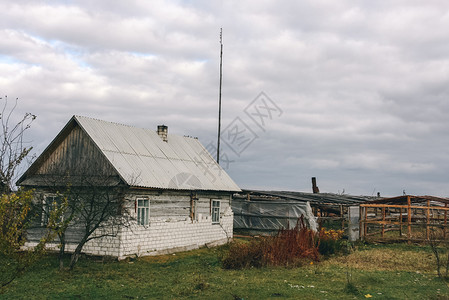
point(72, 154)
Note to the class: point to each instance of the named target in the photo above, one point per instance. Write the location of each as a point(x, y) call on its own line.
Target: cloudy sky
point(355, 93)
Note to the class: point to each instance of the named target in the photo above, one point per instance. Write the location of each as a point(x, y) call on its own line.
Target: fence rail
point(378, 219)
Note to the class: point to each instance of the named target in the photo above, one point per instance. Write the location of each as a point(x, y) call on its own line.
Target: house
point(177, 196)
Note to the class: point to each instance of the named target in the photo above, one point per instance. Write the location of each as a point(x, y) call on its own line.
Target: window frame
point(143, 207)
point(47, 207)
point(215, 211)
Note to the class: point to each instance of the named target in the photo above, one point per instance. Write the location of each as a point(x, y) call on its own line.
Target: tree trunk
point(61, 251)
point(75, 256)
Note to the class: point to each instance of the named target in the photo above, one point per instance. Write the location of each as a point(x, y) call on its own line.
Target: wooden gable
point(70, 157)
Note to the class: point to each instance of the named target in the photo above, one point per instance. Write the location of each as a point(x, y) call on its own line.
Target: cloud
point(363, 86)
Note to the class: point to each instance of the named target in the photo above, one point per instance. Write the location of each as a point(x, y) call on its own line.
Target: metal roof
point(143, 159)
point(314, 199)
point(413, 199)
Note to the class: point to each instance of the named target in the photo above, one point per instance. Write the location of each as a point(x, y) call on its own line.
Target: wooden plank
point(427, 220)
point(403, 206)
point(365, 229)
point(409, 218)
point(445, 221)
point(380, 232)
point(381, 223)
point(360, 222)
point(341, 216)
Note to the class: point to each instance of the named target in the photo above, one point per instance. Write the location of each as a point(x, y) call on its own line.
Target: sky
point(354, 93)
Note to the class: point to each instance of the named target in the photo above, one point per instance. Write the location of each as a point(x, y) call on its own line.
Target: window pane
point(215, 211)
point(139, 217)
point(143, 211)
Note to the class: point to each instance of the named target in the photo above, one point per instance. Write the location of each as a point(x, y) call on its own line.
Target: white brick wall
point(162, 235)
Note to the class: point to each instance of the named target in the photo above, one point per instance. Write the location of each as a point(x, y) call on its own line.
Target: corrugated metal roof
point(314, 199)
point(143, 159)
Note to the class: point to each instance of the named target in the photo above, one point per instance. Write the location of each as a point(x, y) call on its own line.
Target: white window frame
point(215, 206)
point(143, 211)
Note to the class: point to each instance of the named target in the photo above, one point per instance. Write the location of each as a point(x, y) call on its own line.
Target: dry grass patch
point(387, 260)
point(166, 258)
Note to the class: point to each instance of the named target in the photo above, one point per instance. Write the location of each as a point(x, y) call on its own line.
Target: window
point(143, 211)
point(215, 211)
point(48, 204)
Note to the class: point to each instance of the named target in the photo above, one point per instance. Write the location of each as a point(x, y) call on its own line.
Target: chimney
point(315, 188)
point(162, 131)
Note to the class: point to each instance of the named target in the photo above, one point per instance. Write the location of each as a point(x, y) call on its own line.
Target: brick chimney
point(162, 131)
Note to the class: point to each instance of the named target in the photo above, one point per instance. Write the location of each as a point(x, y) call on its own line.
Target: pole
point(428, 220)
point(219, 95)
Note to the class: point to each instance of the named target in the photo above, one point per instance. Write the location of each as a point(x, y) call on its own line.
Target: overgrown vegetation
point(289, 247)
point(15, 213)
point(330, 241)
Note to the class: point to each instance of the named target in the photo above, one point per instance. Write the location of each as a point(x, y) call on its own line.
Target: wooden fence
point(422, 221)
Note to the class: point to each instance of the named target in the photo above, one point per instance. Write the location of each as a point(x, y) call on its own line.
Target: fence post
point(427, 219)
point(353, 223)
point(365, 226)
point(445, 221)
point(360, 222)
point(342, 216)
point(409, 219)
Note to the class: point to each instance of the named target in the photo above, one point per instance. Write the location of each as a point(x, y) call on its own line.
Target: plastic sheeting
point(270, 216)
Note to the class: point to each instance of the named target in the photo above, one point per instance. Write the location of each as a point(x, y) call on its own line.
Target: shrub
point(244, 255)
point(14, 221)
point(291, 246)
point(287, 247)
point(330, 241)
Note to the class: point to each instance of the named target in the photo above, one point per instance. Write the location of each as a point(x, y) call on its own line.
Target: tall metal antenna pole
point(219, 95)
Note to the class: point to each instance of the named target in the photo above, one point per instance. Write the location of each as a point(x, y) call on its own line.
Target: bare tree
point(440, 250)
point(12, 147)
point(91, 206)
point(15, 207)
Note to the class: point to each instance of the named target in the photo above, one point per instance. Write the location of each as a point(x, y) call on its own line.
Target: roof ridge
point(110, 122)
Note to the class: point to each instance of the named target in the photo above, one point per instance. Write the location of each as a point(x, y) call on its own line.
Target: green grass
point(382, 271)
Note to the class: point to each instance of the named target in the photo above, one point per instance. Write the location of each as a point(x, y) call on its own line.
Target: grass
point(382, 271)
point(394, 257)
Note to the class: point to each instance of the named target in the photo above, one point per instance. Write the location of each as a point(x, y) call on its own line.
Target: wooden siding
point(175, 205)
point(74, 158)
point(78, 154)
point(73, 235)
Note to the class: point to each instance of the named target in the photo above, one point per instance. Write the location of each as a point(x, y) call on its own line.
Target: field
point(371, 271)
